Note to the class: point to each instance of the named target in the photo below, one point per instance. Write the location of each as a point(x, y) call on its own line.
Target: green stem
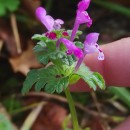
point(72, 110)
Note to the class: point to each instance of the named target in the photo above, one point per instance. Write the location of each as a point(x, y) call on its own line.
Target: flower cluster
point(82, 17)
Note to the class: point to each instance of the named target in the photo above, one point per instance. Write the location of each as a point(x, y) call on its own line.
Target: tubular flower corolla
point(91, 46)
point(47, 20)
point(71, 47)
point(81, 17)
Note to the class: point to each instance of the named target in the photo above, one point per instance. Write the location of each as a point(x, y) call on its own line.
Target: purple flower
point(91, 46)
point(81, 17)
point(72, 48)
point(83, 5)
point(47, 20)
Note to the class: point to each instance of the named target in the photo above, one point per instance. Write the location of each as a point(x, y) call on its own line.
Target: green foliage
point(30, 80)
point(79, 44)
point(78, 33)
point(5, 123)
point(40, 37)
point(46, 51)
point(122, 93)
point(93, 79)
point(48, 78)
point(8, 5)
point(58, 76)
point(11, 103)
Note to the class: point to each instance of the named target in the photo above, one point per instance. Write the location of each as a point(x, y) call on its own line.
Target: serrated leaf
point(43, 57)
point(42, 43)
point(30, 80)
point(68, 60)
point(51, 45)
point(50, 88)
point(48, 78)
point(93, 79)
point(39, 37)
point(61, 84)
point(39, 85)
point(98, 79)
point(38, 48)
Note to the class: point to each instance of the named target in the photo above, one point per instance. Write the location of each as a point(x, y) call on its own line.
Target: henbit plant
point(64, 62)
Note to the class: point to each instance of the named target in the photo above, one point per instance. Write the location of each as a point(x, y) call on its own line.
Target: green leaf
point(50, 87)
point(68, 59)
point(8, 5)
point(93, 79)
point(51, 45)
point(29, 81)
point(61, 84)
point(12, 5)
point(74, 78)
point(78, 33)
point(38, 48)
point(79, 44)
point(5, 123)
point(98, 79)
point(122, 93)
point(43, 57)
point(48, 78)
point(40, 37)
point(39, 85)
point(2, 9)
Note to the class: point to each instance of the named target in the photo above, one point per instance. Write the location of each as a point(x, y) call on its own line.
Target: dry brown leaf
point(25, 61)
point(7, 37)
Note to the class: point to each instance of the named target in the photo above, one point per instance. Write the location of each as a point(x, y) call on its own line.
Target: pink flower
point(83, 5)
point(91, 46)
point(81, 17)
point(47, 20)
point(71, 47)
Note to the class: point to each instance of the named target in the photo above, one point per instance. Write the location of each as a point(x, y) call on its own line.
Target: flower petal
point(71, 47)
point(101, 56)
point(91, 38)
point(47, 20)
point(78, 52)
point(59, 21)
point(88, 49)
point(83, 5)
point(50, 22)
point(83, 17)
point(40, 12)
